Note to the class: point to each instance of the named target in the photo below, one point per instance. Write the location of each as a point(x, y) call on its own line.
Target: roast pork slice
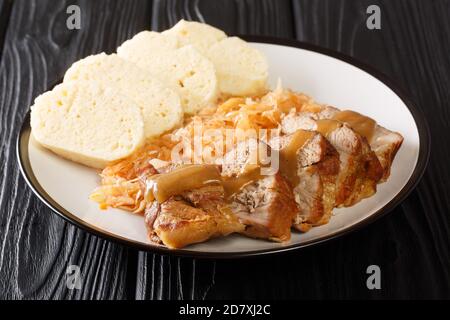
point(315, 184)
point(360, 169)
point(259, 195)
point(192, 216)
point(267, 208)
point(383, 142)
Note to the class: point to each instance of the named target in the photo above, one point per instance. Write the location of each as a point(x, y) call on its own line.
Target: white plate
point(328, 77)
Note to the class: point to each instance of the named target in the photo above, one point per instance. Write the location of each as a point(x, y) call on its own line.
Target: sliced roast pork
point(311, 165)
point(360, 169)
point(187, 205)
point(259, 195)
point(385, 143)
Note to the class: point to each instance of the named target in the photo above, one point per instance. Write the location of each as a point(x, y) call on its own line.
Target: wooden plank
point(36, 246)
point(262, 17)
point(5, 12)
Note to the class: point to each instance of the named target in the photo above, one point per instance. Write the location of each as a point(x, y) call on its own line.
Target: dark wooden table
point(411, 245)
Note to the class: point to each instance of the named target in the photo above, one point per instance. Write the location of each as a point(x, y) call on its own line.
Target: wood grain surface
point(411, 245)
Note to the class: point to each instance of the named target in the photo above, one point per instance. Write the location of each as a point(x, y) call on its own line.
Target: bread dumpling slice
point(88, 123)
point(161, 107)
point(145, 45)
point(199, 35)
point(186, 71)
point(241, 69)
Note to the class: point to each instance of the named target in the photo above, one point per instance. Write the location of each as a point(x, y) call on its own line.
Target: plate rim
point(422, 161)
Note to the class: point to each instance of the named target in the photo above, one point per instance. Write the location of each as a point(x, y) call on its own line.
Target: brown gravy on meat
point(161, 187)
point(288, 165)
point(232, 185)
point(326, 126)
point(288, 155)
point(363, 125)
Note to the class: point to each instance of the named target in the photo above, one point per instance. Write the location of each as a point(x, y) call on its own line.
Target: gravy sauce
point(233, 185)
point(288, 155)
point(161, 187)
point(326, 126)
point(363, 125)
